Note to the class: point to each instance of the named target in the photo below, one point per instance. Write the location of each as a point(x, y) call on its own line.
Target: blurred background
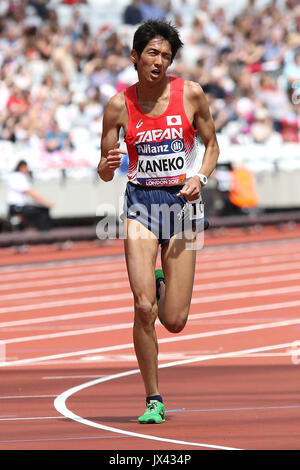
point(61, 61)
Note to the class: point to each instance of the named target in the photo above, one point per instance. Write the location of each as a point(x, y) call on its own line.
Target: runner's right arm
point(111, 155)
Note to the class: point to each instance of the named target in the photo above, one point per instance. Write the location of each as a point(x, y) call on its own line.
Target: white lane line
point(250, 309)
point(71, 267)
point(247, 261)
point(224, 273)
point(119, 265)
point(160, 341)
point(31, 419)
point(198, 286)
point(60, 406)
point(123, 274)
point(128, 295)
point(60, 401)
point(64, 290)
point(245, 282)
point(64, 280)
point(200, 275)
point(62, 303)
point(119, 310)
point(33, 360)
point(58, 269)
point(86, 331)
point(124, 326)
point(246, 294)
point(64, 377)
point(12, 397)
point(68, 316)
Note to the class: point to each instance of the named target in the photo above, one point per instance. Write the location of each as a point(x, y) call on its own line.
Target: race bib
point(161, 163)
point(196, 210)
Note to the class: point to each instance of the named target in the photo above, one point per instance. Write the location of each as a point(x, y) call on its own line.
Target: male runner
point(161, 117)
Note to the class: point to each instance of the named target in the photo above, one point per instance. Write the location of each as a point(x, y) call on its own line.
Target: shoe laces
point(151, 406)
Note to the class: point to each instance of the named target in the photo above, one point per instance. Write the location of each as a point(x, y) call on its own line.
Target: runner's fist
point(114, 157)
point(191, 190)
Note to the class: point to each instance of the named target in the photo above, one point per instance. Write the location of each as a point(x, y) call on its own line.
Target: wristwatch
point(202, 178)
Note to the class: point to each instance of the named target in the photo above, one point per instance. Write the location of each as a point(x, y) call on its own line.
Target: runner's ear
point(134, 56)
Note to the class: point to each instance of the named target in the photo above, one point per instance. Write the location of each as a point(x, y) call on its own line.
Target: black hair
point(19, 164)
point(153, 28)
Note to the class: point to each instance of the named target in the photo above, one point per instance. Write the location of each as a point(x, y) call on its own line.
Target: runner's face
point(154, 60)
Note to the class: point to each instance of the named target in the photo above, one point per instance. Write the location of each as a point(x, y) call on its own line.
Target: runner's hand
point(114, 157)
point(191, 190)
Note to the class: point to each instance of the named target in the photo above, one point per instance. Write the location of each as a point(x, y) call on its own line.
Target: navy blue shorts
point(162, 212)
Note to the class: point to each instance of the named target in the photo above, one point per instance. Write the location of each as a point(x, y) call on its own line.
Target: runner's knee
point(145, 312)
point(175, 323)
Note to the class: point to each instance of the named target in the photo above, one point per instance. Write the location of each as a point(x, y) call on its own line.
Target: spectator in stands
point(262, 131)
point(275, 49)
point(291, 70)
point(290, 129)
point(17, 102)
point(274, 99)
point(244, 61)
point(19, 195)
point(215, 86)
point(41, 7)
point(56, 139)
point(293, 35)
point(184, 9)
point(132, 13)
point(150, 9)
point(224, 112)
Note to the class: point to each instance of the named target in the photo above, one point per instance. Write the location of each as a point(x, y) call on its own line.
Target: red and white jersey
point(163, 150)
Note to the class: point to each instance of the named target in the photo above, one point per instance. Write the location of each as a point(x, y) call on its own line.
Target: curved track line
point(60, 401)
point(60, 406)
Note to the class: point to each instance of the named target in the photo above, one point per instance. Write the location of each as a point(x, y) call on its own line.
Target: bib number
point(196, 210)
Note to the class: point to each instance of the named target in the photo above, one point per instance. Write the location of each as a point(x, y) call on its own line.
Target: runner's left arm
point(205, 126)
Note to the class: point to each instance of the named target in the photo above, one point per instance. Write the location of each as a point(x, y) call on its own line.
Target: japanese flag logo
point(174, 120)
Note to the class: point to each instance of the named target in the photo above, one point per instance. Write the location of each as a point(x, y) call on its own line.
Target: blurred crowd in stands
point(56, 79)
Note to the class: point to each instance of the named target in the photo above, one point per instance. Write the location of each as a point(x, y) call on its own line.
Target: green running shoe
point(159, 276)
point(154, 414)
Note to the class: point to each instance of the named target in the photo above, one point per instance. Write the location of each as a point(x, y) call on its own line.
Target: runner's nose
point(158, 59)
